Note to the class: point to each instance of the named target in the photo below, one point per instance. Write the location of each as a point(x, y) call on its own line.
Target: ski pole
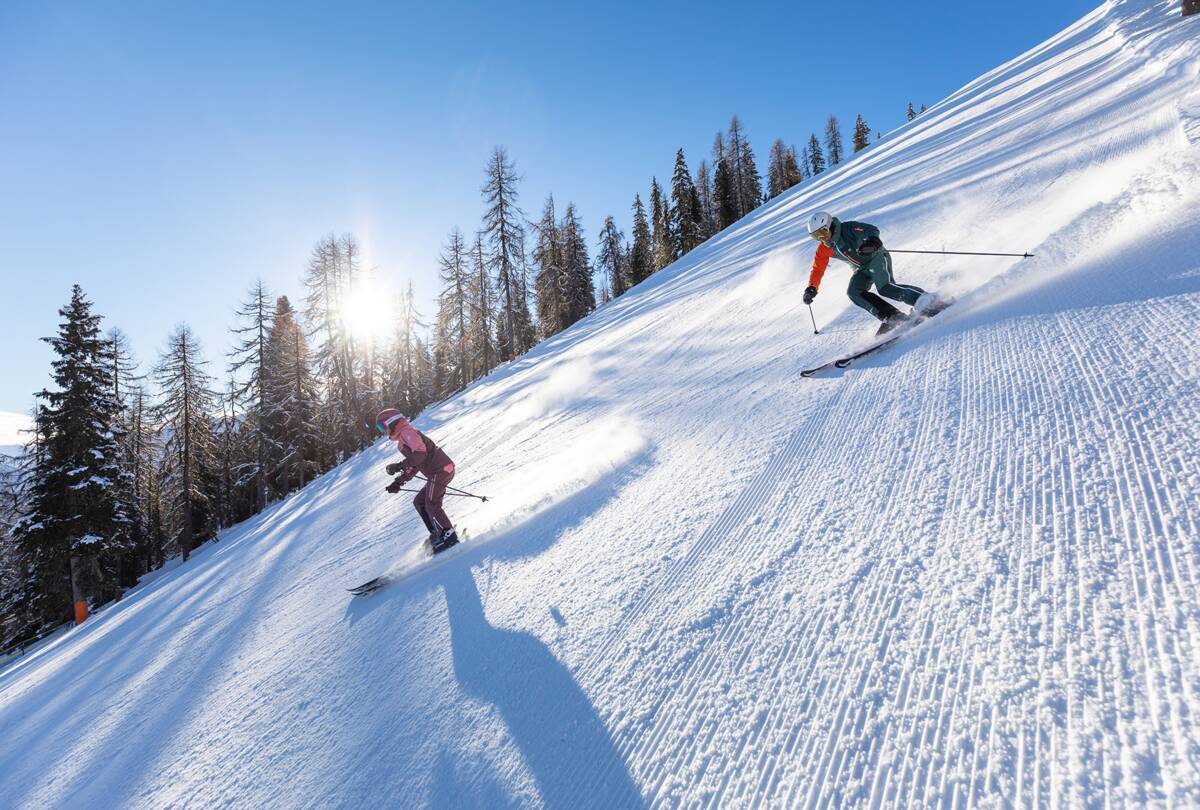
point(963, 253)
point(816, 331)
point(464, 493)
point(459, 494)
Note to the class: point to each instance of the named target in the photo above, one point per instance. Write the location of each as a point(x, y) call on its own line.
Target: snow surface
point(964, 572)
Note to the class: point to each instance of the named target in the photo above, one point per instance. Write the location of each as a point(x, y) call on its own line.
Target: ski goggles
point(386, 426)
point(821, 234)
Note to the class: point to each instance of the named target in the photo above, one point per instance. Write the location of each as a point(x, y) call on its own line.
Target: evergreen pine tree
point(579, 291)
point(910, 113)
point(684, 212)
point(746, 182)
point(185, 414)
point(862, 134)
point(662, 241)
point(641, 260)
point(697, 214)
point(815, 156)
point(611, 258)
point(833, 140)
point(550, 268)
point(75, 531)
point(782, 170)
point(922, 110)
point(724, 196)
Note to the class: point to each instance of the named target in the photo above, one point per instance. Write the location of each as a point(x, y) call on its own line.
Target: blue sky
point(164, 155)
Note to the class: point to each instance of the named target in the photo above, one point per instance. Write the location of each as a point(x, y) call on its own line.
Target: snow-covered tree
point(75, 530)
point(579, 291)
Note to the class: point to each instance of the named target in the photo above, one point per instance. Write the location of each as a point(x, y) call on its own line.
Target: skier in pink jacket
point(421, 455)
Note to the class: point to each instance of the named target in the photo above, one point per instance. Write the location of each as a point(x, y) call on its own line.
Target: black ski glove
point(809, 294)
point(393, 469)
point(395, 486)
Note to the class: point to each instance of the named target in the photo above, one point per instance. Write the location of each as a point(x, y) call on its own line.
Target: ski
point(842, 362)
point(877, 346)
point(371, 586)
point(380, 582)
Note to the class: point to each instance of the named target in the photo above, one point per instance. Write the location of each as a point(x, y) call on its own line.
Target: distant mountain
point(12, 432)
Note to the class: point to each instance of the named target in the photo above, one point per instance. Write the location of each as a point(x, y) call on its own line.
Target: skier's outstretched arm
point(820, 262)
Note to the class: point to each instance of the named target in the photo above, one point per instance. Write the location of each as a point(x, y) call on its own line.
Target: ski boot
point(891, 322)
point(930, 304)
point(447, 539)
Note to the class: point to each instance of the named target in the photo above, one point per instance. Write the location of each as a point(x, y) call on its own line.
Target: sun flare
point(365, 314)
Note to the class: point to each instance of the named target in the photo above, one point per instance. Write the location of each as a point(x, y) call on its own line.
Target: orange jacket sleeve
point(820, 262)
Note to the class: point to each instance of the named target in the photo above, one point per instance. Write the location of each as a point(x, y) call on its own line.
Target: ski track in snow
point(962, 573)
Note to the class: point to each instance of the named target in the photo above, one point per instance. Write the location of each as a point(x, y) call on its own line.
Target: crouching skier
point(421, 455)
point(858, 244)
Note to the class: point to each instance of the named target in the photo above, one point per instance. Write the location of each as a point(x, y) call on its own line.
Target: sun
point(365, 314)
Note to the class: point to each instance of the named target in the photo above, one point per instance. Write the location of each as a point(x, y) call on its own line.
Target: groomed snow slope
point(962, 573)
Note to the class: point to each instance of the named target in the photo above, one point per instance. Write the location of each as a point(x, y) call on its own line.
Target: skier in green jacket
point(858, 244)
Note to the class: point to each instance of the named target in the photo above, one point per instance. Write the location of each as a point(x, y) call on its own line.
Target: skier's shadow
point(563, 740)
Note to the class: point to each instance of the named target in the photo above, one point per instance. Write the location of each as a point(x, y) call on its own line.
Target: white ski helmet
point(820, 225)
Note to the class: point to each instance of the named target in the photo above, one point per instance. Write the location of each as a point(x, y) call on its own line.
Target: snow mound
point(962, 572)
